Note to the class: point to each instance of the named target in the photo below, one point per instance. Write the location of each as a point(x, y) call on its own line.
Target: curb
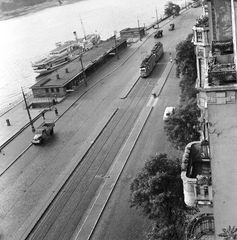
point(20, 131)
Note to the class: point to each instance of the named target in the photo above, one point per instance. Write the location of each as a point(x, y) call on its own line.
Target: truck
point(43, 132)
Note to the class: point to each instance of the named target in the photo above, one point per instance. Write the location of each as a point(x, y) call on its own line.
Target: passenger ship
point(65, 53)
point(57, 57)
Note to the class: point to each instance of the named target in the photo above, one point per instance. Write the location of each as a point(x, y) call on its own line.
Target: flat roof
point(222, 120)
point(132, 29)
point(74, 67)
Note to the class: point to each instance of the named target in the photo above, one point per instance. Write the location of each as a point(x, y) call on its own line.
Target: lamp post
point(157, 19)
point(82, 68)
point(139, 29)
point(116, 49)
point(31, 123)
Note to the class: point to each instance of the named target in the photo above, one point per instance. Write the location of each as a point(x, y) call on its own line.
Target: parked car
point(168, 112)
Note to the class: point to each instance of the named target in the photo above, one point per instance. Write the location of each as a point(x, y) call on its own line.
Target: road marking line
point(149, 102)
point(155, 102)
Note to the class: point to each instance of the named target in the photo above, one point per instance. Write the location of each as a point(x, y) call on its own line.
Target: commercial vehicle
point(168, 112)
point(43, 132)
point(150, 61)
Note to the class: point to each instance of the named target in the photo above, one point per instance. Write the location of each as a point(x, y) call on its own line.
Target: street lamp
point(157, 19)
point(139, 30)
point(27, 108)
point(116, 49)
point(82, 68)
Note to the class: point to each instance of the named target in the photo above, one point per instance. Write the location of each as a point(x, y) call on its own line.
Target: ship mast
point(83, 28)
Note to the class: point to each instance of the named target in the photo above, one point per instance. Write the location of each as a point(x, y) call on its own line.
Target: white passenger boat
point(57, 57)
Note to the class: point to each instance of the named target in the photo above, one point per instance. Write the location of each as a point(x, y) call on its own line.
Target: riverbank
point(26, 10)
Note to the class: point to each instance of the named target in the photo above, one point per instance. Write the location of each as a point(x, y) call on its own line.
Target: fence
point(15, 103)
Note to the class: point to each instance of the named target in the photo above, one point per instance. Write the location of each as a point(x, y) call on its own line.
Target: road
point(90, 135)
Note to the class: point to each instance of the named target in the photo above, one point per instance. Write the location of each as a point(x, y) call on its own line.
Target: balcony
point(202, 22)
point(196, 175)
point(202, 225)
point(222, 47)
point(221, 70)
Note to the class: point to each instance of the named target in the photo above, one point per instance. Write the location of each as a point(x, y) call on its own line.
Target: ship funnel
point(75, 34)
point(57, 76)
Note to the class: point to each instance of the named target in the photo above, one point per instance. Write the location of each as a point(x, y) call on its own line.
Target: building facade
point(210, 180)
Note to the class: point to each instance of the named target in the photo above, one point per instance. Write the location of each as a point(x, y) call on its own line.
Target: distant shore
point(26, 10)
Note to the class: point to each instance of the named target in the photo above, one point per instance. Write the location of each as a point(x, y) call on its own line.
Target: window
point(52, 90)
point(47, 90)
point(199, 36)
point(57, 89)
point(205, 190)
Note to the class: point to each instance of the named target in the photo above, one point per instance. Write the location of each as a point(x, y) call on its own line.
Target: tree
point(229, 233)
point(158, 191)
point(182, 127)
point(172, 9)
point(186, 58)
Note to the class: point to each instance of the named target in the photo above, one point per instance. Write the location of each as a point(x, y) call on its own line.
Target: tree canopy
point(172, 9)
point(158, 191)
point(182, 127)
point(186, 58)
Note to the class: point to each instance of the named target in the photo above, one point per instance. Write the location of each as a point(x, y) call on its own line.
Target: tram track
point(89, 174)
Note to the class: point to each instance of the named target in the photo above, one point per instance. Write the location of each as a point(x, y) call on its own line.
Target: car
point(168, 112)
point(195, 5)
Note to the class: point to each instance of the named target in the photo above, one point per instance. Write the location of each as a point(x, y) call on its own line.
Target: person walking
point(56, 111)
point(42, 113)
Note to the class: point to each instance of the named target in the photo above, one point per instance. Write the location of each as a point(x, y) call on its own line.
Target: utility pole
point(82, 68)
point(139, 29)
point(116, 48)
point(31, 123)
point(157, 19)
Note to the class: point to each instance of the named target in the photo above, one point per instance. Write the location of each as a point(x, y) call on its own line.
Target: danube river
point(26, 38)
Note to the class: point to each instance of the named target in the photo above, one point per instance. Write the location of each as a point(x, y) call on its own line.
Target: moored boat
point(57, 57)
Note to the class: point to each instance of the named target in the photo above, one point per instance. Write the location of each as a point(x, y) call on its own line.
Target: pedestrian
point(171, 58)
point(42, 113)
point(56, 111)
point(54, 102)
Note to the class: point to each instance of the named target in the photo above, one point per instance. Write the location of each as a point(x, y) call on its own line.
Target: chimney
point(57, 76)
point(66, 70)
point(75, 34)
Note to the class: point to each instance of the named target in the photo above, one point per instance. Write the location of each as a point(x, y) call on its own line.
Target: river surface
point(27, 38)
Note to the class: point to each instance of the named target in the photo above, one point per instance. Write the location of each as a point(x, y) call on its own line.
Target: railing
point(201, 225)
point(15, 103)
point(222, 46)
point(219, 77)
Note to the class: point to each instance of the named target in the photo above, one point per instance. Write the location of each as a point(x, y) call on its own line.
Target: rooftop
point(63, 75)
point(223, 140)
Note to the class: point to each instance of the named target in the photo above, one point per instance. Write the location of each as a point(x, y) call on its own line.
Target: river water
point(26, 38)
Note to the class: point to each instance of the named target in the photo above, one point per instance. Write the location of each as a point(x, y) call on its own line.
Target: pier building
point(72, 75)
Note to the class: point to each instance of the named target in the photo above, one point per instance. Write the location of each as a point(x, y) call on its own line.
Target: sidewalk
point(18, 119)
